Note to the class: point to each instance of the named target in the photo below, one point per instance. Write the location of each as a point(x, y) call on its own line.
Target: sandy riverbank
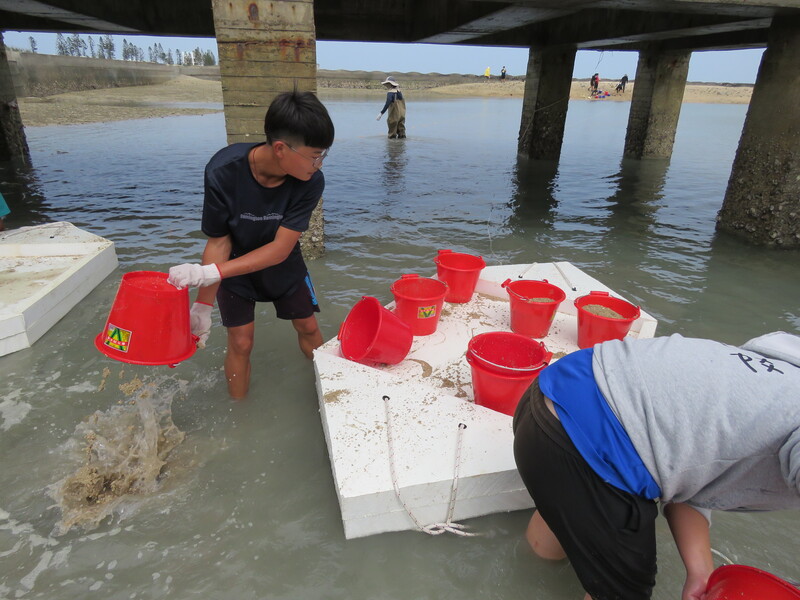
point(164, 100)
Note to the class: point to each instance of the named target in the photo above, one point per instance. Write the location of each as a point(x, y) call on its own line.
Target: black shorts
point(608, 534)
point(300, 303)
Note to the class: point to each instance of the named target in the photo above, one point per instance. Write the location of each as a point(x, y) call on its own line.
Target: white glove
point(193, 275)
point(200, 319)
point(378, 118)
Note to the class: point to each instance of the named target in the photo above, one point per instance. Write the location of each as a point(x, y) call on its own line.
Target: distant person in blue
point(606, 434)
point(4, 212)
point(258, 201)
point(396, 105)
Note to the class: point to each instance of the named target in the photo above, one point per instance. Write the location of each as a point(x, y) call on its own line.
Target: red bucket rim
point(478, 260)
point(413, 278)
point(599, 298)
point(508, 283)
point(546, 354)
point(365, 301)
point(719, 575)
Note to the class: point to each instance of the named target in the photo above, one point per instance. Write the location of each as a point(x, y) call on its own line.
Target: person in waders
point(396, 105)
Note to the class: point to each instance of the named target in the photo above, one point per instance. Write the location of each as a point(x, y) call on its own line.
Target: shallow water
point(248, 508)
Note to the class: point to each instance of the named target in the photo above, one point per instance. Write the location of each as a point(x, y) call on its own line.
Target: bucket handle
point(545, 361)
point(519, 296)
point(409, 276)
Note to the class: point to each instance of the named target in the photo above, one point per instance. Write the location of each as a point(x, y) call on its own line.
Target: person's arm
point(690, 531)
point(217, 251)
point(270, 254)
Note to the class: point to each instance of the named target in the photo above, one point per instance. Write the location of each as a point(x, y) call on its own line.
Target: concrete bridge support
point(265, 48)
point(656, 103)
point(13, 145)
point(762, 202)
point(544, 107)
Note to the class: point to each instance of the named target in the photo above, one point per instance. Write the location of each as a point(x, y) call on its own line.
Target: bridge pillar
point(656, 103)
point(762, 203)
point(13, 145)
point(544, 107)
point(265, 48)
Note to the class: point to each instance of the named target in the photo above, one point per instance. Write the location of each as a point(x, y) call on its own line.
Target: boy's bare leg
point(237, 360)
point(309, 335)
point(542, 540)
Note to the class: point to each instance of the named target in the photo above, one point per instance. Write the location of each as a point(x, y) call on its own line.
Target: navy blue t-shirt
point(236, 204)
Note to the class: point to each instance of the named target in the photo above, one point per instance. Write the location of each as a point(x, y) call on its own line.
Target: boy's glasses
point(315, 161)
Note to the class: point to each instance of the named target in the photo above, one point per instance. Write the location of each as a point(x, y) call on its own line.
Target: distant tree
point(108, 44)
point(197, 57)
point(33, 44)
point(151, 53)
point(208, 58)
point(61, 45)
point(91, 48)
point(75, 45)
point(178, 57)
point(188, 58)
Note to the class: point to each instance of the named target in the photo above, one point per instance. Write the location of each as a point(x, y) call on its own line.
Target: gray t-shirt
point(717, 426)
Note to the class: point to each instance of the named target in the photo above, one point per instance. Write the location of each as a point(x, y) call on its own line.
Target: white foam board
point(430, 394)
point(45, 270)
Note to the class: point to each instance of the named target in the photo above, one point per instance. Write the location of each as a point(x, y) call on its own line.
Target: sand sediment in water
point(124, 451)
point(149, 101)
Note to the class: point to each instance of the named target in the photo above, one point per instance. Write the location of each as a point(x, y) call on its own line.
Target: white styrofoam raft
point(430, 393)
point(45, 270)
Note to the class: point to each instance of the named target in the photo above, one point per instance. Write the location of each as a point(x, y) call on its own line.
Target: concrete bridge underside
point(269, 46)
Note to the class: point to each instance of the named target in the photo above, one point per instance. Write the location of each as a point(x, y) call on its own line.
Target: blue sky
point(733, 66)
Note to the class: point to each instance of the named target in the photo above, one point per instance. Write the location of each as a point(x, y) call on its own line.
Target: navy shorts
point(608, 534)
point(300, 303)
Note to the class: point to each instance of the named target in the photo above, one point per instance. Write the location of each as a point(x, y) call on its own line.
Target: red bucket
point(503, 366)
point(418, 302)
point(533, 305)
point(460, 272)
point(148, 323)
point(593, 329)
point(372, 333)
point(740, 582)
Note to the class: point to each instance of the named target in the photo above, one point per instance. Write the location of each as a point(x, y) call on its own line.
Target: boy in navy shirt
point(258, 201)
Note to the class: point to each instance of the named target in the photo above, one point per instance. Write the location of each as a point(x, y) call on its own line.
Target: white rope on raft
point(434, 528)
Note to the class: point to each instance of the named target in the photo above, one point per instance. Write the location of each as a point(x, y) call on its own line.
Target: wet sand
point(163, 100)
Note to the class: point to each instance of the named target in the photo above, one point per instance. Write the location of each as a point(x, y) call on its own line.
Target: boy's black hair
point(299, 117)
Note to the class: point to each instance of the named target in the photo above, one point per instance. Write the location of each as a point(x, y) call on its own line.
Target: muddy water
point(246, 506)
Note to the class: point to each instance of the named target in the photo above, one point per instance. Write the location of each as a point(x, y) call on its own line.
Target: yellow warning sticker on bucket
point(426, 312)
point(117, 338)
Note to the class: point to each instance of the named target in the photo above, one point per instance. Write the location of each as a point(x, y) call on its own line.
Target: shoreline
point(164, 100)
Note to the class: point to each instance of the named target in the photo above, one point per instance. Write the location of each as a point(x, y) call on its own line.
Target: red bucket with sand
point(460, 272)
point(503, 365)
point(533, 305)
point(740, 582)
point(418, 302)
point(148, 323)
point(601, 317)
point(371, 333)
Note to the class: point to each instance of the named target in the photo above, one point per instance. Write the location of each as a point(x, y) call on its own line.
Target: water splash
point(123, 454)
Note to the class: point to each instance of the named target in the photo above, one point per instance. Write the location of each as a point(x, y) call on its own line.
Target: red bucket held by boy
point(149, 322)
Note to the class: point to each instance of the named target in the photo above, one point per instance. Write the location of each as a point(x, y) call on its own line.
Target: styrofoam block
point(430, 394)
point(47, 270)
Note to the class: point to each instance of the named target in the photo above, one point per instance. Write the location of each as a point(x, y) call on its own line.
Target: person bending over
point(258, 201)
point(695, 424)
